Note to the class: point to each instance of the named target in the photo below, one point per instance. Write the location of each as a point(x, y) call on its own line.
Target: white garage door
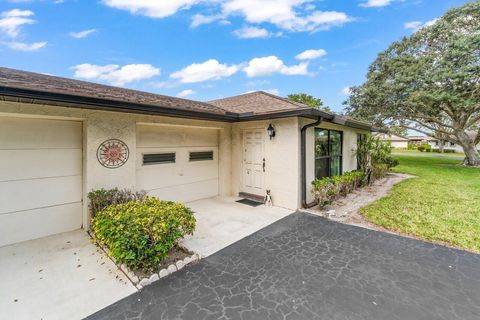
point(40, 178)
point(178, 164)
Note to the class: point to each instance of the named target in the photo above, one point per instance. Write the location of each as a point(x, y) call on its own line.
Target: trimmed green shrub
point(391, 162)
point(380, 170)
point(102, 198)
point(424, 147)
point(370, 152)
point(328, 189)
point(140, 233)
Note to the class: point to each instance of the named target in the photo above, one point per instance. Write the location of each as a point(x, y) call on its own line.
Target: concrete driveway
point(306, 267)
point(222, 221)
point(66, 277)
point(58, 277)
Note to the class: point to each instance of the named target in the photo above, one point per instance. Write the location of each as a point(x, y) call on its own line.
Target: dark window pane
point(158, 158)
point(335, 143)
point(201, 156)
point(335, 166)
point(321, 142)
point(322, 168)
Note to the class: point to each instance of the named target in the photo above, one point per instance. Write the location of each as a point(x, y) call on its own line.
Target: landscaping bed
point(141, 234)
point(347, 209)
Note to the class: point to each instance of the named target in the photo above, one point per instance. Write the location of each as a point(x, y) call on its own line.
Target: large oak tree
point(429, 82)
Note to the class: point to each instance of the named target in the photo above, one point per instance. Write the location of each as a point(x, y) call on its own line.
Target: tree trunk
point(441, 145)
point(472, 156)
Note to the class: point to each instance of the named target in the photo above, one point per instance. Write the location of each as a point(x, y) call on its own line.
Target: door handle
point(263, 166)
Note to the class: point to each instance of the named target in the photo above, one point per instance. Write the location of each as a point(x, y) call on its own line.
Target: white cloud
point(20, 46)
point(208, 70)
point(311, 54)
point(152, 8)
point(199, 19)
point(376, 3)
point(252, 32)
point(11, 21)
point(417, 25)
point(186, 93)
point(347, 90)
point(283, 14)
point(115, 74)
point(266, 66)
point(291, 15)
point(82, 34)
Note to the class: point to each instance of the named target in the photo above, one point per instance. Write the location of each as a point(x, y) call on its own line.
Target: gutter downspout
point(303, 160)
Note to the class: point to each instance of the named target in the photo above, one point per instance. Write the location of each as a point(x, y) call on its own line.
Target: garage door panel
point(157, 176)
point(187, 192)
point(40, 163)
point(202, 169)
point(32, 224)
point(183, 180)
point(40, 178)
point(37, 193)
point(152, 178)
point(181, 172)
point(19, 133)
point(164, 137)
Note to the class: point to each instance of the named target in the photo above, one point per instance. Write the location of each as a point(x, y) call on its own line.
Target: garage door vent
point(201, 156)
point(158, 158)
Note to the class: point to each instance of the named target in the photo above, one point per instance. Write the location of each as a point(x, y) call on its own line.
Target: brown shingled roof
point(46, 83)
point(29, 87)
point(257, 102)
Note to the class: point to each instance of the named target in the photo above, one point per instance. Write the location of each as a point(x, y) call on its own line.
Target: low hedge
point(101, 198)
point(328, 189)
point(140, 233)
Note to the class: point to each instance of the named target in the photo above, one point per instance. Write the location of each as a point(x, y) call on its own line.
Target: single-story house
point(61, 138)
point(435, 143)
point(396, 141)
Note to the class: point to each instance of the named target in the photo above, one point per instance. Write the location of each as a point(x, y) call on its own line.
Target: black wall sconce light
point(271, 131)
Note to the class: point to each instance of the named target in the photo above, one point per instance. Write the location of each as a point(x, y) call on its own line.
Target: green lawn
point(403, 151)
point(442, 204)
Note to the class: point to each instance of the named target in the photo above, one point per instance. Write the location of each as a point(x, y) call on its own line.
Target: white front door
point(253, 162)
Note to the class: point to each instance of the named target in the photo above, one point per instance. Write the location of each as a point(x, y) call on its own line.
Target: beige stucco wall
point(282, 154)
point(282, 159)
point(349, 145)
point(99, 126)
point(399, 144)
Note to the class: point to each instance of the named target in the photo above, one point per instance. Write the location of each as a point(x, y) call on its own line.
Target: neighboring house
point(395, 140)
point(435, 143)
point(61, 138)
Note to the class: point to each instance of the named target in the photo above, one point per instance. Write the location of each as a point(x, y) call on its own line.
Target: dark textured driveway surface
point(305, 267)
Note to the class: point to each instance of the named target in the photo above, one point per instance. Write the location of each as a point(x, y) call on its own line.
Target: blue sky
point(208, 49)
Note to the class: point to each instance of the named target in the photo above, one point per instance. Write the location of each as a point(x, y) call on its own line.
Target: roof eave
point(306, 113)
point(75, 101)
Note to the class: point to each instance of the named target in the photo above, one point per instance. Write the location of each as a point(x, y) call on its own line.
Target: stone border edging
point(174, 267)
point(140, 283)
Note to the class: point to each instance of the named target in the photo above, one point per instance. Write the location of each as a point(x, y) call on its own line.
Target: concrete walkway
point(58, 277)
point(222, 221)
point(306, 267)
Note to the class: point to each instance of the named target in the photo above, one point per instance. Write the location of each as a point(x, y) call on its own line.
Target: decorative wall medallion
point(113, 153)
